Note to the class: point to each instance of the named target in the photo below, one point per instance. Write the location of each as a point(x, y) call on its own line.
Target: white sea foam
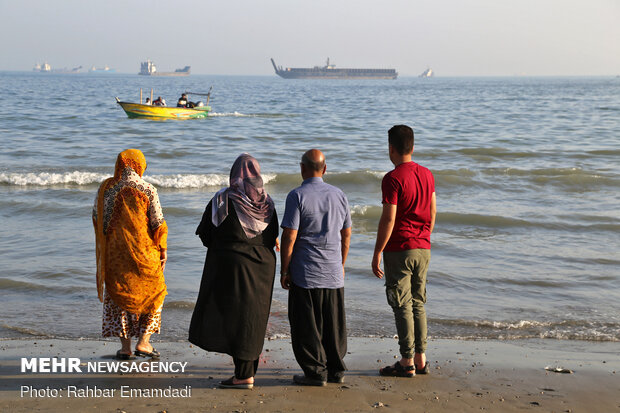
point(359, 209)
point(367, 211)
point(89, 178)
point(51, 178)
point(187, 181)
point(378, 174)
point(232, 114)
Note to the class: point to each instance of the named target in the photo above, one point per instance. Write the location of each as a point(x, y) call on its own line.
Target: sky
point(237, 37)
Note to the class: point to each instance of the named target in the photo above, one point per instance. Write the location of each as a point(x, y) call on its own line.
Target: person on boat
point(240, 229)
point(131, 250)
point(182, 103)
point(159, 101)
point(148, 101)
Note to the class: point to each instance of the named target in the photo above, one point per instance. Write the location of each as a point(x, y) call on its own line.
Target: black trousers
point(244, 369)
point(318, 330)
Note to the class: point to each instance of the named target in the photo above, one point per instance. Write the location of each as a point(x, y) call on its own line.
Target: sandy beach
point(465, 376)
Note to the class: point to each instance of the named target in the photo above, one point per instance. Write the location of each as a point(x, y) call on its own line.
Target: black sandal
point(154, 354)
point(230, 384)
point(398, 370)
point(424, 370)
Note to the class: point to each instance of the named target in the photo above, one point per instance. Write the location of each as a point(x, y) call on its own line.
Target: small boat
point(139, 110)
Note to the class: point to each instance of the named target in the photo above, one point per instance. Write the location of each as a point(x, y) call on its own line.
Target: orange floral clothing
point(130, 234)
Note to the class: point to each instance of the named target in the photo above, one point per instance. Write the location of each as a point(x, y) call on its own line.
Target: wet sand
point(465, 376)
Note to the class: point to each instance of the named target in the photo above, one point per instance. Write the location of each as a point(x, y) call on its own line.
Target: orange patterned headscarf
point(133, 158)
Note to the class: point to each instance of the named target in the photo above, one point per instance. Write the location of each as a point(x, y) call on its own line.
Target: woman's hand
point(163, 257)
point(277, 244)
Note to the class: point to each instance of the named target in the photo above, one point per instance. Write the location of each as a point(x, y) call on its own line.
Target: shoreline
point(465, 376)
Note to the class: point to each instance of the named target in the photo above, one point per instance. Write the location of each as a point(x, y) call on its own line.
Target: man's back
point(410, 187)
point(318, 211)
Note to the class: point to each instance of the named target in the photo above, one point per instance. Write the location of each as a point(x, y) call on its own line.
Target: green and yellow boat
point(138, 110)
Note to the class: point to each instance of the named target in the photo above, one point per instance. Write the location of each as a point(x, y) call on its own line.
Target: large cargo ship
point(329, 71)
point(148, 68)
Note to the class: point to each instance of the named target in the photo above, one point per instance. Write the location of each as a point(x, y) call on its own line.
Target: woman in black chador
point(240, 229)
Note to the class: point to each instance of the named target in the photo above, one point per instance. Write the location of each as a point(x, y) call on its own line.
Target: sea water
point(527, 180)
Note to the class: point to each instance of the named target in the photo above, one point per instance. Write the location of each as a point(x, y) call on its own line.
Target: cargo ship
point(43, 68)
point(329, 71)
point(46, 68)
point(148, 68)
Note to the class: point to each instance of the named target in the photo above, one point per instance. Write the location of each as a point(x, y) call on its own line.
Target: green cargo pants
point(405, 287)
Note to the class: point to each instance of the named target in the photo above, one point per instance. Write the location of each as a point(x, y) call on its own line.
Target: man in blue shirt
point(315, 243)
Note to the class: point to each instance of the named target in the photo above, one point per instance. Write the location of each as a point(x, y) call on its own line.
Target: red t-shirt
point(410, 187)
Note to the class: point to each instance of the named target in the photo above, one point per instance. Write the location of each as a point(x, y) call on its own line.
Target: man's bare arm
point(386, 225)
point(433, 211)
point(286, 251)
point(345, 243)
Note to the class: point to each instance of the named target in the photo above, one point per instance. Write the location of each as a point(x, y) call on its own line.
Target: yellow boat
point(138, 110)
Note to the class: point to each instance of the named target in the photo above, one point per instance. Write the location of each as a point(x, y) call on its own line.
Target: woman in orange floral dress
point(131, 254)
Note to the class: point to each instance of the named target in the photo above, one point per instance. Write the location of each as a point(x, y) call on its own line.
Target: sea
point(527, 169)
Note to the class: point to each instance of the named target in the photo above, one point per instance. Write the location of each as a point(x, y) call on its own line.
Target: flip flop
point(123, 356)
point(154, 354)
point(398, 370)
point(229, 384)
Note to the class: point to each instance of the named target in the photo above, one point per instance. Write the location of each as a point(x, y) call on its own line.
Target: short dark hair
point(401, 138)
point(311, 163)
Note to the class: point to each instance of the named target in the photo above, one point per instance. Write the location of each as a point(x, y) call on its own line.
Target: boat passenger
point(159, 102)
point(182, 103)
point(148, 101)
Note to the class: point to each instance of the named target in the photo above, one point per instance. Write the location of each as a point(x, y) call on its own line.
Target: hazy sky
point(454, 37)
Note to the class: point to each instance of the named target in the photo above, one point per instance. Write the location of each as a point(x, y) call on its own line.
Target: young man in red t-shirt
point(404, 238)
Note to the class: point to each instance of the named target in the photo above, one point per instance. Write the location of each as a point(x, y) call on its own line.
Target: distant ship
point(148, 68)
point(105, 69)
point(427, 73)
point(329, 71)
point(46, 68)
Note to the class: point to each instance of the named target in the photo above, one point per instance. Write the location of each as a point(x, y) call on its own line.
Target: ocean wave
point(499, 222)
point(605, 152)
point(366, 211)
point(525, 329)
point(572, 179)
point(498, 153)
point(23, 331)
point(180, 305)
point(479, 220)
point(14, 285)
point(505, 325)
point(51, 178)
point(83, 178)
